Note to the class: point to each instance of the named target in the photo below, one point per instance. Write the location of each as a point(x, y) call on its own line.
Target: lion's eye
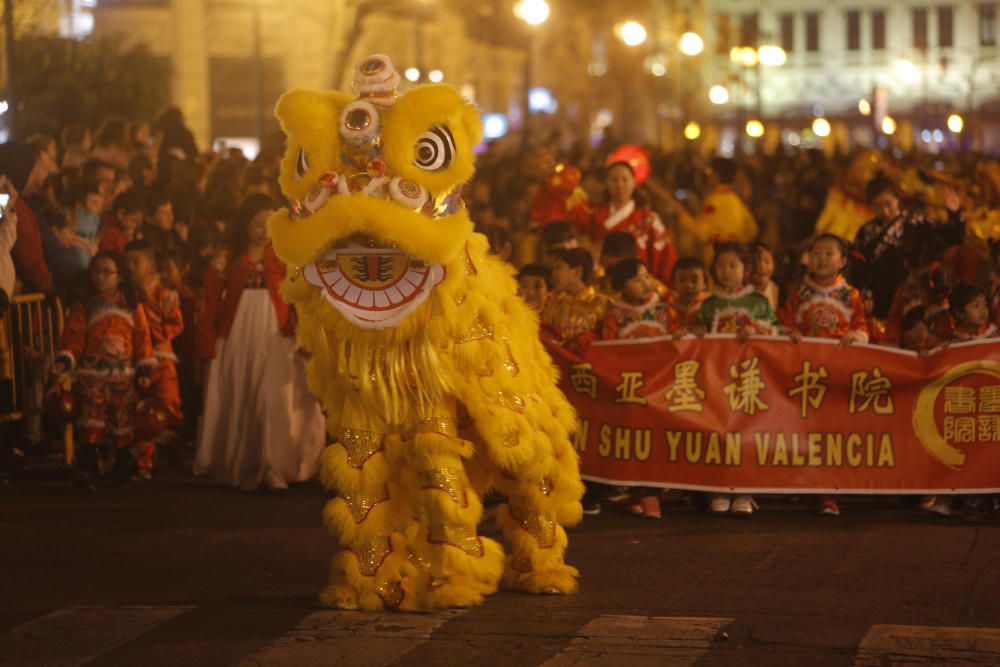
point(435, 149)
point(301, 163)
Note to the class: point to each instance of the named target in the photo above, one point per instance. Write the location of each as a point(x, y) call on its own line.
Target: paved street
point(184, 571)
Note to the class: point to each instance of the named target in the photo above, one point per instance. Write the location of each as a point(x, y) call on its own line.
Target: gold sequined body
point(569, 316)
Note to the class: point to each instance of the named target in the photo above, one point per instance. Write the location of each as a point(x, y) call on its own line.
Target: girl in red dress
point(260, 427)
point(826, 306)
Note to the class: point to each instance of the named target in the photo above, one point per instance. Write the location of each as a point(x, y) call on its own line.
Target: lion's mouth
point(373, 284)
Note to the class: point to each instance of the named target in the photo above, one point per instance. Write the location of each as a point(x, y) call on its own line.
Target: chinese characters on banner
point(772, 415)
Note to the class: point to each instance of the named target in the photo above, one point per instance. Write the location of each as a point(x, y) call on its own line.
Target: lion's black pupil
point(358, 119)
point(426, 153)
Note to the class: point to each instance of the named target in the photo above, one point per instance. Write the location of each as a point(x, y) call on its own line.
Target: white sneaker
point(274, 482)
point(940, 505)
point(743, 505)
point(720, 503)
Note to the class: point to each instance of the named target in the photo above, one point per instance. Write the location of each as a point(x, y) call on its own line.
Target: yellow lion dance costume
point(430, 369)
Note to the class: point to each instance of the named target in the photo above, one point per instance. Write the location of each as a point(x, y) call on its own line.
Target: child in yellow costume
point(430, 369)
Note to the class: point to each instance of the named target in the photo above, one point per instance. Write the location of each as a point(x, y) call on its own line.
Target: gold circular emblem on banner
point(924, 420)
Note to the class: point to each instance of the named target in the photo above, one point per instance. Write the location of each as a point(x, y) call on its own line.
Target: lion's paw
point(553, 580)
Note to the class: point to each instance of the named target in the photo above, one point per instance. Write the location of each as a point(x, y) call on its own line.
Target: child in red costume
point(163, 313)
point(172, 274)
point(640, 313)
point(993, 294)
point(574, 315)
point(826, 306)
point(690, 282)
point(106, 345)
point(970, 310)
point(927, 284)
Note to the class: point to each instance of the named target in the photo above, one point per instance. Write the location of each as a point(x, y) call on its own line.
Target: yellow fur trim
point(369, 591)
point(299, 242)
point(453, 577)
point(533, 569)
point(310, 119)
point(417, 112)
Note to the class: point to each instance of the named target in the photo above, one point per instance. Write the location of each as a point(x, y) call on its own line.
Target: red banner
point(771, 415)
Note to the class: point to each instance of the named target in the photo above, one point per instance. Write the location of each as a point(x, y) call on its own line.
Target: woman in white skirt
point(261, 428)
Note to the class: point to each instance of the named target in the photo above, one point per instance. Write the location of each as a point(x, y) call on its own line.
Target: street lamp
point(771, 56)
point(906, 70)
point(435, 76)
point(743, 55)
point(755, 129)
point(692, 131)
point(955, 123)
point(532, 12)
point(718, 94)
point(632, 33)
point(889, 125)
point(412, 74)
point(865, 107)
point(691, 44)
point(821, 127)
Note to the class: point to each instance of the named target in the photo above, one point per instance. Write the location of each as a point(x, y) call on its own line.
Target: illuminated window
point(853, 30)
point(988, 25)
point(788, 32)
point(946, 27)
point(878, 30)
point(920, 28)
point(748, 30)
point(723, 34)
point(812, 31)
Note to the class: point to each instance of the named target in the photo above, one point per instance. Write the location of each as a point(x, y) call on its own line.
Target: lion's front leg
point(530, 521)
point(457, 566)
point(369, 516)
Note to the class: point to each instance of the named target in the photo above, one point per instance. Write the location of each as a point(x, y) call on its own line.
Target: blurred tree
point(60, 80)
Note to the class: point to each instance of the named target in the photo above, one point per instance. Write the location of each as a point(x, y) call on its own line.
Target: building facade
point(858, 60)
point(232, 59)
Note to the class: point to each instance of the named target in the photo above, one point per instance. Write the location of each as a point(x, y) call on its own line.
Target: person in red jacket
point(261, 427)
point(175, 275)
point(26, 171)
point(163, 313)
point(624, 212)
point(127, 212)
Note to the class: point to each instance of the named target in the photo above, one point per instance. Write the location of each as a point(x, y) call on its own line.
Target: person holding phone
point(8, 236)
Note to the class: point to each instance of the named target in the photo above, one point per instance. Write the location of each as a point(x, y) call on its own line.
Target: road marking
point(928, 645)
point(72, 636)
point(339, 637)
point(637, 641)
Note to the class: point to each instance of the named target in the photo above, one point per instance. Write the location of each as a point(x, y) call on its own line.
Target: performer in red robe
point(622, 213)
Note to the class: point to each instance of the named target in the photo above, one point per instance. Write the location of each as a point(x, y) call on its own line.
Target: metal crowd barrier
point(29, 339)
